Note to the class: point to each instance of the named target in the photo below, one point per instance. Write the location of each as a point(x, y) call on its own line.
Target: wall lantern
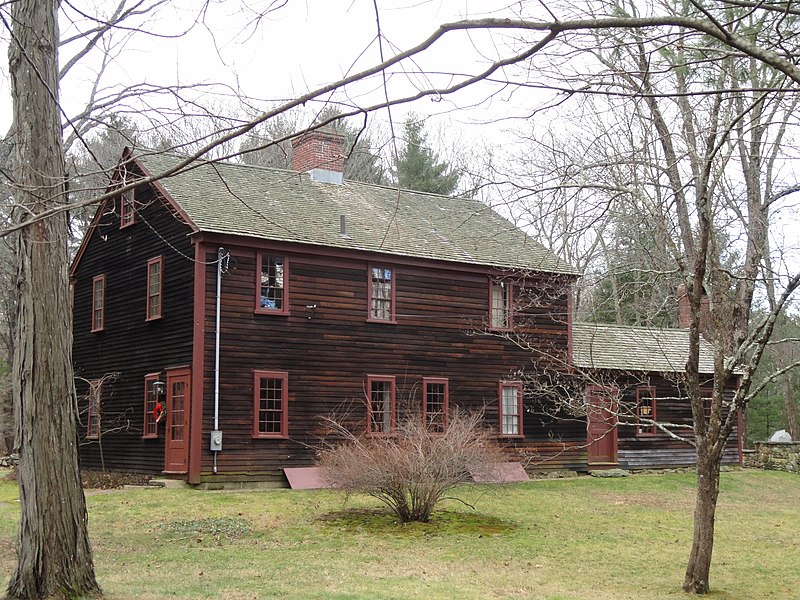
point(159, 388)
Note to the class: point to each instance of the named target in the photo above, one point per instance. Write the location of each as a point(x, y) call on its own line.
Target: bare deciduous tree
point(54, 556)
point(714, 38)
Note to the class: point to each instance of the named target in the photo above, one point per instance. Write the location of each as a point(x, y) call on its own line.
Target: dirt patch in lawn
point(111, 480)
point(444, 522)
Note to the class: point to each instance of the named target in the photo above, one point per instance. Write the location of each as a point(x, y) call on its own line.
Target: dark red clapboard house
point(334, 297)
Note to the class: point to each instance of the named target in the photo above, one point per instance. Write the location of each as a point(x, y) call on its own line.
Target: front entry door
point(177, 432)
point(601, 430)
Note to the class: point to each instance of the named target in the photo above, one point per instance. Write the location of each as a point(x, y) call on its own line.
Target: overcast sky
point(295, 48)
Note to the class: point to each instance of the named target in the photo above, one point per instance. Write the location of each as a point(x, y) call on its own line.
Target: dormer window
point(127, 209)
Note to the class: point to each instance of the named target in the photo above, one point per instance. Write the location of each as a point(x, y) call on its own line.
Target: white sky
point(295, 48)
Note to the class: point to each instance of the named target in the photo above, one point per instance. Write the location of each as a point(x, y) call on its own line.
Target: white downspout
point(216, 445)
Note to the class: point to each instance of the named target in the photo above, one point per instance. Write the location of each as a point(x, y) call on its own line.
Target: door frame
point(181, 465)
point(601, 450)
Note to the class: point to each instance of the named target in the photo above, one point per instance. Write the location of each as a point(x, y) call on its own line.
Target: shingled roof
point(626, 348)
point(282, 205)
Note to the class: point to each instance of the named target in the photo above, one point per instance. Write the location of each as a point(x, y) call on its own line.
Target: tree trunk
point(54, 556)
point(699, 567)
point(789, 405)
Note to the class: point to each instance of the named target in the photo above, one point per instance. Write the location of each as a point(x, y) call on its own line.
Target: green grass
point(552, 540)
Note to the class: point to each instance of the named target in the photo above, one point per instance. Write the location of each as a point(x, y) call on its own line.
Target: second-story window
point(98, 302)
point(272, 288)
point(127, 209)
point(381, 294)
point(155, 280)
point(500, 304)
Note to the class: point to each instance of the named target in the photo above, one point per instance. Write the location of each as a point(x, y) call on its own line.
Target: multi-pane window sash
point(93, 409)
point(381, 406)
point(151, 399)
point(127, 209)
point(500, 304)
point(270, 416)
point(272, 284)
point(645, 410)
point(510, 409)
point(381, 306)
point(98, 302)
point(435, 407)
point(155, 278)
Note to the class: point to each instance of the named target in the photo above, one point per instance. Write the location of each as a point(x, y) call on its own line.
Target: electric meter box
point(216, 441)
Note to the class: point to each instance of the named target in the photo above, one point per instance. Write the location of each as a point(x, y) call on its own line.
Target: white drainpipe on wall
point(216, 434)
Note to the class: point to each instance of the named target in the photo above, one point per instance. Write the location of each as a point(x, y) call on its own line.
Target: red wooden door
point(176, 458)
point(601, 430)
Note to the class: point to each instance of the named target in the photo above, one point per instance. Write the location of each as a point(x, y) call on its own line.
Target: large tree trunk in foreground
point(699, 567)
point(54, 556)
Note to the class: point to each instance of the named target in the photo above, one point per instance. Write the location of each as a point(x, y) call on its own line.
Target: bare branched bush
point(413, 469)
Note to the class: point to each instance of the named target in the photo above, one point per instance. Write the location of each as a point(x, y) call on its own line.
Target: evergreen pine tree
point(418, 167)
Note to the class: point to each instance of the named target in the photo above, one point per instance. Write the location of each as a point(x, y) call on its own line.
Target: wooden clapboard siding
point(128, 344)
point(329, 350)
point(659, 449)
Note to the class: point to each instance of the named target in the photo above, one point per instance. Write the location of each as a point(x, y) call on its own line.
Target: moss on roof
point(626, 348)
point(288, 206)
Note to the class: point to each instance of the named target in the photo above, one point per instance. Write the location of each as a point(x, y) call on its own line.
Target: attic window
point(127, 209)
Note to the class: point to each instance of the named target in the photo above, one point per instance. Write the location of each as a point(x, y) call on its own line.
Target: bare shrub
point(413, 469)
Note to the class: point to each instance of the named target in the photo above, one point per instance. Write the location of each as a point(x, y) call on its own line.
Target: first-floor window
point(510, 408)
point(270, 407)
point(380, 405)
point(645, 410)
point(153, 404)
point(93, 397)
point(435, 404)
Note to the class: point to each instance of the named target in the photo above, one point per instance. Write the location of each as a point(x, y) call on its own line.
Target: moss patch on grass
point(442, 523)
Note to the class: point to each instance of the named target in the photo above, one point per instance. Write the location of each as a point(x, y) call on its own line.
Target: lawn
point(575, 538)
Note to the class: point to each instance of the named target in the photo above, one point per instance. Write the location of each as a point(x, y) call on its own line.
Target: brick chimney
point(685, 310)
point(320, 153)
